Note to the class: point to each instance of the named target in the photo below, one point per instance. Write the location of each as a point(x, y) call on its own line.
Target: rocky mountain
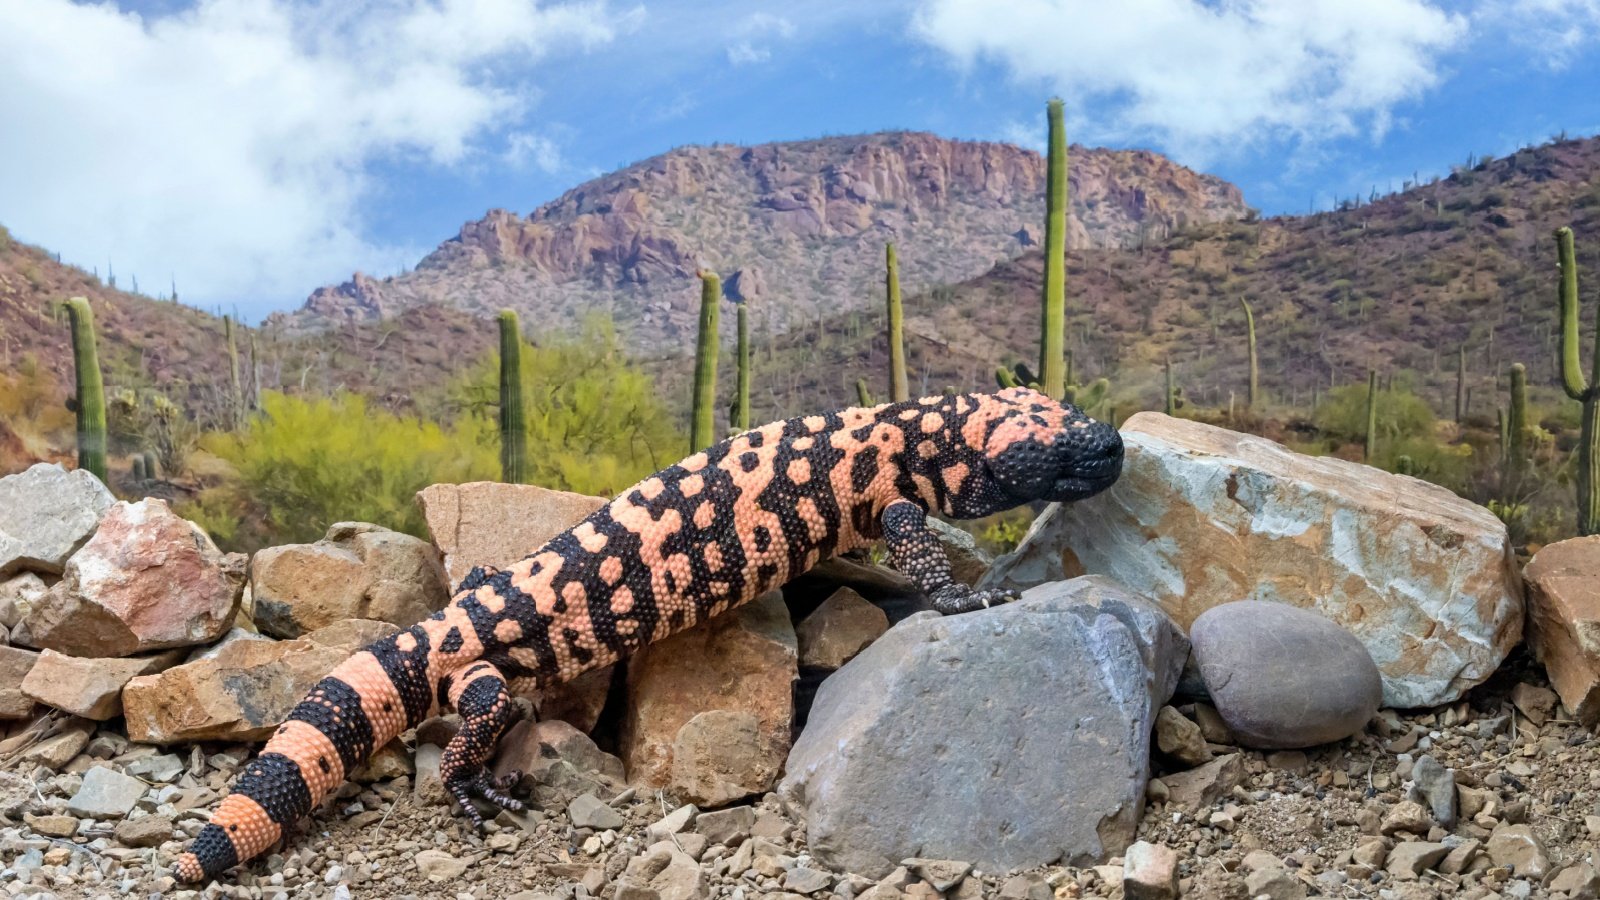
point(796, 228)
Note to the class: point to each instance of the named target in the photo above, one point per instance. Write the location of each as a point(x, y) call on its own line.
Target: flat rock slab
point(105, 794)
point(90, 687)
point(1009, 738)
point(486, 523)
point(357, 571)
point(47, 512)
point(245, 691)
point(1204, 516)
point(1564, 621)
point(147, 580)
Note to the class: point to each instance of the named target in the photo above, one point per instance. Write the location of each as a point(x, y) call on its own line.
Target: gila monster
point(689, 542)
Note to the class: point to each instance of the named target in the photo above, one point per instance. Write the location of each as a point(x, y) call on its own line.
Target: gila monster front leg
point(916, 552)
point(479, 694)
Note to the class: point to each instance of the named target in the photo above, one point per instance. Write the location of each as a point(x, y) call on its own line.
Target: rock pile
point(1067, 745)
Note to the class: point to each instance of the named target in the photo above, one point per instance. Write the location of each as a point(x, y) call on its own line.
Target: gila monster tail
point(361, 705)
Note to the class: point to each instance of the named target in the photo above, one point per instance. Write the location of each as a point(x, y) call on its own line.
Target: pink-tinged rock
point(1564, 621)
point(147, 580)
point(1204, 516)
point(358, 571)
point(46, 513)
point(743, 663)
point(242, 693)
point(486, 523)
point(15, 664)
point(88, 687)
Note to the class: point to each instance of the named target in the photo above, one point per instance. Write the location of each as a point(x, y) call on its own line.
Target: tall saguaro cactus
point(899, 385)
point(1585, 392)
point(90, 402)
point(1053, 315)
point(513, 425)
point(1255, 378)
point(702, 428)
point(741, 402)
point(235, 389)
point(1517, 421)
point(1370, 451)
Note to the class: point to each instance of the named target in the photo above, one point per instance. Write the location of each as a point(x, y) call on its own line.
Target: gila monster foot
point(953, 599)
point(483, 785)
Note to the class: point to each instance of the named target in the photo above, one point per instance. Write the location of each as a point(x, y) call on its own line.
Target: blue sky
point(256, 149)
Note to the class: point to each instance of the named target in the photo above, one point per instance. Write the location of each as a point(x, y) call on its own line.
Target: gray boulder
point(46, 513)
point(1013, 737)
point(1283, 677)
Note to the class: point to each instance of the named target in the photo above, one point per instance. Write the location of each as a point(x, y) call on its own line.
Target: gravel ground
point(1367, 817)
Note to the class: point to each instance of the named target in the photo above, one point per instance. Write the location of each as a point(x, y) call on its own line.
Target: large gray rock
point(147, 580)
point(1010, 738)
point(1283, 677)
point(46, 513)
point(357, 571)
point(1204, 516)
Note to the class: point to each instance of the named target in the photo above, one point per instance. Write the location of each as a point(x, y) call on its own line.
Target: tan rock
point(147, 580)
point(242, 693)
point(844, 625)
point(47, 512)
point(486, 523)
point(1180, 739)
point(723, 755)
point(60, 745)
point(358, 571)
point(1204, 516)
point(1518, 847)
point(1149, 872)
point(90, 687)
point(18, 593)
point(1200, 787)
point(745, 661)
point(15, 664)
point(1564, 621)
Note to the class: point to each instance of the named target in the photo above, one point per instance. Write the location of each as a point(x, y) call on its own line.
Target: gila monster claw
point(483, 786)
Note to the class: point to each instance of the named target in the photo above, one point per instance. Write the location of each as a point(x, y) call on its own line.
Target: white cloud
point(1207, 77)
point(1555, 32)
point(230, 143)
point(527, 149)
point(751, 32)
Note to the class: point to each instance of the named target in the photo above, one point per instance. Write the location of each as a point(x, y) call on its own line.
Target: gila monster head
point(1041, 449)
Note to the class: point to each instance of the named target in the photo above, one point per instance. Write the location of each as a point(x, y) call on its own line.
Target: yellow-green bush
point(305, 463)
point(1401, 414)
point(595, 425)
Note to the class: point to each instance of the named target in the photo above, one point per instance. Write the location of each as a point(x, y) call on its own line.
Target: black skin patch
point(453, 641)
point(334, 708)
point(274, 782)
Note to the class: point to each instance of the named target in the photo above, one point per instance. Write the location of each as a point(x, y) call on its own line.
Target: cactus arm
point(741, 410)
point(1004, 378)
point(863, 396)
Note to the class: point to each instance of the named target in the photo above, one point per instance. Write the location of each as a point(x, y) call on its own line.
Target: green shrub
point(1401, 414)
point(304, 464)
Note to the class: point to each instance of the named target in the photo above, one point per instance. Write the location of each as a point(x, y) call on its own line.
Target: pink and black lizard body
point(690, 542)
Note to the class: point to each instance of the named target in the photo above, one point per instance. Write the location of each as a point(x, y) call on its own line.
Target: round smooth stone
point(1284, 677)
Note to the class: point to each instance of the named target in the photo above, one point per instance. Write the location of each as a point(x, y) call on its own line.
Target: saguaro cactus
point(90, 402)
point(1585, 392)
point(702, 428)
point(235, 389)
point(863, 395)
point(741, 403)
point(1517, 421)
point(1053, 316)
point(1172, 391)
point(1461, 384)
point(1370, 451)
point(899, 385)
point(513, 425)
point(1250, 328)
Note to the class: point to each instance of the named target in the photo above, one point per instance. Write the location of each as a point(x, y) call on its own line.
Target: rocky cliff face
point(799, 226)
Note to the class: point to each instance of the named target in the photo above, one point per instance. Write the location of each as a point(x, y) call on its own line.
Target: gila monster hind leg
point(479, 694)
point(916, 551)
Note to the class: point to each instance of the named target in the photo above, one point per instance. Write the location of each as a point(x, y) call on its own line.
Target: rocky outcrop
point(924, 746)
point(1564, 621)
point(47, 512)
point(242, 693)
point(1284, 677)
point(1204, 516)
point(359, 298)
point(147, 580)
point(358, 571)
point(710, 709)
